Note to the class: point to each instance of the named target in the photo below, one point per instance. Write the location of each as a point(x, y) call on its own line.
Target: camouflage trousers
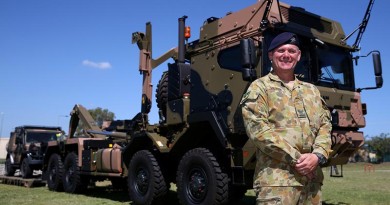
point(279, 195)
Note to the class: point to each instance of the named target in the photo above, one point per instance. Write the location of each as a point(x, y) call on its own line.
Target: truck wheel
point(72, 180)
point(55, 171)
point(145, 180)
point(200, 179)
point(9, 169)
point(162, 93)
point(25, 169)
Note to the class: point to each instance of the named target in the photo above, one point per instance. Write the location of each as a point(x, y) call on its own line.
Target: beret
point(283, 38)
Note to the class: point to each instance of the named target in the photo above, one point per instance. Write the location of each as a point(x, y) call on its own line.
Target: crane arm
point(81, 113)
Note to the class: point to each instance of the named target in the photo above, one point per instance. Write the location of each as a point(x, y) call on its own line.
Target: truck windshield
point(35, 137)
point(326, 65)
point(335, 68)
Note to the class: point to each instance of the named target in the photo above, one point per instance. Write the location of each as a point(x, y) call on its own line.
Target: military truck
point(25, 149)
point(86, 155)
point(200, 141)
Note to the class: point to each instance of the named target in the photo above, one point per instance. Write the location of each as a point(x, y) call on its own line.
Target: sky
point(58, 53)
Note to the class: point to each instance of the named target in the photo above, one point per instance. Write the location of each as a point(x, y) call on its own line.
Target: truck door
point(19, 148)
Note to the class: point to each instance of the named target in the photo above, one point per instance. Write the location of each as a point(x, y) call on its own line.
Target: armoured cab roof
point(246, 22)
point(38, 128)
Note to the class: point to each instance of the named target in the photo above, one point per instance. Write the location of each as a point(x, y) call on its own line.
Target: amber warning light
point(187, 32)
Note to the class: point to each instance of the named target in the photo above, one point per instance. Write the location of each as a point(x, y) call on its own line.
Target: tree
point(380, 144)
point(99, 115)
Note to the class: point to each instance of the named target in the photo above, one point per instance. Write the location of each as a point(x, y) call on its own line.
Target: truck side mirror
point(376, 57)
point(248, 59)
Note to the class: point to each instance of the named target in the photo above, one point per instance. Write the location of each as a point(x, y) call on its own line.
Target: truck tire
point(200, 179)
point(72, 180)
point(25, 169)
point(9, 169)
point(162, 94)
point(145, 179)
point(55, 172)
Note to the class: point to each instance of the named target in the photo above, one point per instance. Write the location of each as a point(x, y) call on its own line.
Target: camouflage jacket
point(283, 124)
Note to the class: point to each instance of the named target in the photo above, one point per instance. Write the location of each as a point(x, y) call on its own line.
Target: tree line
point(380, 145)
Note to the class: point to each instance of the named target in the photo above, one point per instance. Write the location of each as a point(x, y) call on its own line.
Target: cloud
point(98, 65)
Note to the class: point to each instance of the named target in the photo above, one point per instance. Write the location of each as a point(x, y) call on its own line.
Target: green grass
point(356, 187)
point(10, 194)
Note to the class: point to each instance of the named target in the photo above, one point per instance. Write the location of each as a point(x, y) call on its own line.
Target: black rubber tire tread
point(162, 93)
point(55, 172)
point(144, 161)
point(72, 180)
point(25, 169)
point(218, 181)
point(9, 169)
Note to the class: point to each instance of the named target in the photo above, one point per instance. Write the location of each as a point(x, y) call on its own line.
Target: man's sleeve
point(322, 142)
point(255, 114)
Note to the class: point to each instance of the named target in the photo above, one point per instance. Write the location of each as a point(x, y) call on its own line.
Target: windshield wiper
point(335, 82)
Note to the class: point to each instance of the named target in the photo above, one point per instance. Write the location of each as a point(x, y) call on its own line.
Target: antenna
point(362, 26)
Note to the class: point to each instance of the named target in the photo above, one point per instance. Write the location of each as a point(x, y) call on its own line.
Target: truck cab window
point(229, 58)
point(335, 68)
point(34, 137)
point(302, 69)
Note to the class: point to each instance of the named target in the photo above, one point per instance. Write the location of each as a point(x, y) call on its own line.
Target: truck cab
point(25, 148)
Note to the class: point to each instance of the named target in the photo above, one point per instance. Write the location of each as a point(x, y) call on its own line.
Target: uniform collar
point(274, 77)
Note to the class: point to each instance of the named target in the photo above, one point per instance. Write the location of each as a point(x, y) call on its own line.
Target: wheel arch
point(137, 143)
point(49, 152)
point(203, 133)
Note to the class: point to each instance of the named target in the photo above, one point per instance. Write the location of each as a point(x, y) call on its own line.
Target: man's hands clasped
point(307, 164)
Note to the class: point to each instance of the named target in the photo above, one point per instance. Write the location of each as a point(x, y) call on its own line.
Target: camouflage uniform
point(284, 124)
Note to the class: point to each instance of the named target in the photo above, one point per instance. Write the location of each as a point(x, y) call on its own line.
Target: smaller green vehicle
point(26, 148)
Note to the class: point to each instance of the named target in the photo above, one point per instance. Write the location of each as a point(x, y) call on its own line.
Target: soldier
point(290, 125)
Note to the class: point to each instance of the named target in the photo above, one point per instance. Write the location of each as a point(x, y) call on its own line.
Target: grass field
point(358, 186)
point(355, 187)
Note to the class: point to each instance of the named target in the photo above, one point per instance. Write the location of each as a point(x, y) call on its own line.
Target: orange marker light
point(187, 32)
point(245, 154)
